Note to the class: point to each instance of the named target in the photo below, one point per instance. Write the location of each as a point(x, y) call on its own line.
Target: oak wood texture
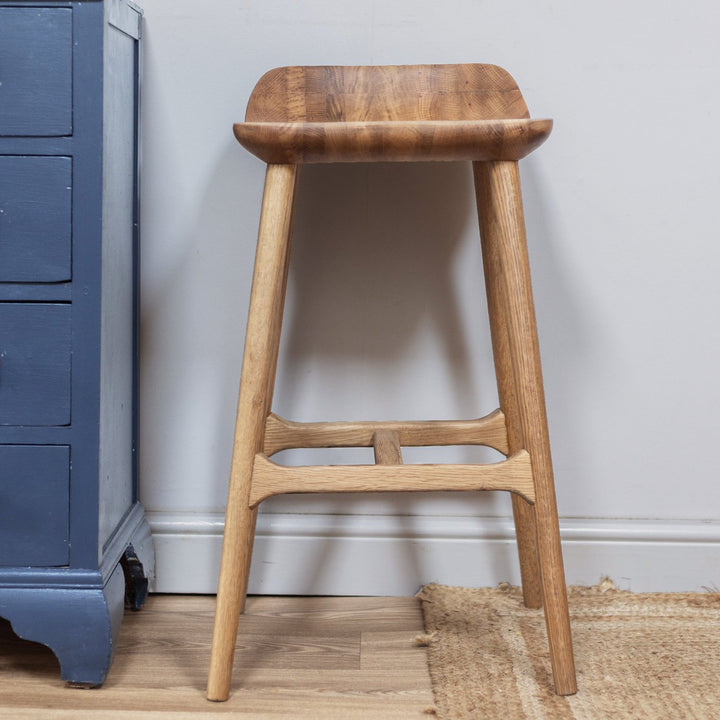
point(378, 93)
point(399, 113)
point(386, 447)
point(257, 378)
point(282, 434)
point(514, 475)
point(525, 527)
point(415, 112)
point(502, 228)
point(301, 658)
point(392, 141)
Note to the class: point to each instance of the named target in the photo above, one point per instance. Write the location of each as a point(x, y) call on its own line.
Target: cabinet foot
point(77, 619)
point(80, 625)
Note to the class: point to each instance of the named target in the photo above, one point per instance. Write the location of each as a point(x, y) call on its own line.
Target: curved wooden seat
point(402, 113)
point(392, 141)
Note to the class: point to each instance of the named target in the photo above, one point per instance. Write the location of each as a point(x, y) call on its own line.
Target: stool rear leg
point(262, 340)
point(503, 230)
point(523, 513)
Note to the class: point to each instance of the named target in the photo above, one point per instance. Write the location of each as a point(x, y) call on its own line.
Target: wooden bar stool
point(408, 113)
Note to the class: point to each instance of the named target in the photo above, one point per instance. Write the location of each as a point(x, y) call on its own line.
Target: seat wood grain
point(392, 141)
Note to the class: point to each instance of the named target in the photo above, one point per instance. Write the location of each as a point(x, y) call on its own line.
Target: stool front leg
point(257, 379)
point(509, 287)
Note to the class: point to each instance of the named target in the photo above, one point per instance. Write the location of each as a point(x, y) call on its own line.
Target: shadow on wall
point(374, 288)
point(372, 266)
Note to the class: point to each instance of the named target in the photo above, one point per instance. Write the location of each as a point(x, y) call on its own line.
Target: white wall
point(385, 315)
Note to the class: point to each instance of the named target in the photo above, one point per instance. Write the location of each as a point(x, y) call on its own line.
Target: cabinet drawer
point(35, 71)
point(34, 504)
point(35, 219)
point(34, 364)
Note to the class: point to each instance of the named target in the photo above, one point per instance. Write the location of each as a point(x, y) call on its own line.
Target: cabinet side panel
point(117, 441)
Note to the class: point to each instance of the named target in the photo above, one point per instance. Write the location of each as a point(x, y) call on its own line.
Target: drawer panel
point(35, 71)
point(34, 505)
point(35, 219)
point(34, 364)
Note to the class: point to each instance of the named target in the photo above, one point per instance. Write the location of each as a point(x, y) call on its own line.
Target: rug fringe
point(425, 640)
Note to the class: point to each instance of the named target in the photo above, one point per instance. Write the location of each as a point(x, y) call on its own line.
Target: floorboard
point(317, 658)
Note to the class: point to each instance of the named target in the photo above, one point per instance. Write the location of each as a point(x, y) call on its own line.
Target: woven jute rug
point(638, 656)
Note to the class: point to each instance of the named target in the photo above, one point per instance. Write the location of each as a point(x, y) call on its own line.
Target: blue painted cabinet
point(75, 548)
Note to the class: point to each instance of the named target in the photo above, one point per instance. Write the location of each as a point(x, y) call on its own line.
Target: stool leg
point(500, 207)
point(523, 513)
point(256, 384)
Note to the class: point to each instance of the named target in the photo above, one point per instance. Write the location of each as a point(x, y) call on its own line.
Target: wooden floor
point(339, 658)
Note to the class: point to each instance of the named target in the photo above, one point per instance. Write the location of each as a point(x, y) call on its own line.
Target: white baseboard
point(396, 555)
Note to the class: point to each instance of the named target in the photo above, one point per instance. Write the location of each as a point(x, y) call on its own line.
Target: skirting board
point(396, 555)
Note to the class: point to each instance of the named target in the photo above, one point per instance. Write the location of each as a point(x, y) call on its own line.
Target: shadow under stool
point(410, 113)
